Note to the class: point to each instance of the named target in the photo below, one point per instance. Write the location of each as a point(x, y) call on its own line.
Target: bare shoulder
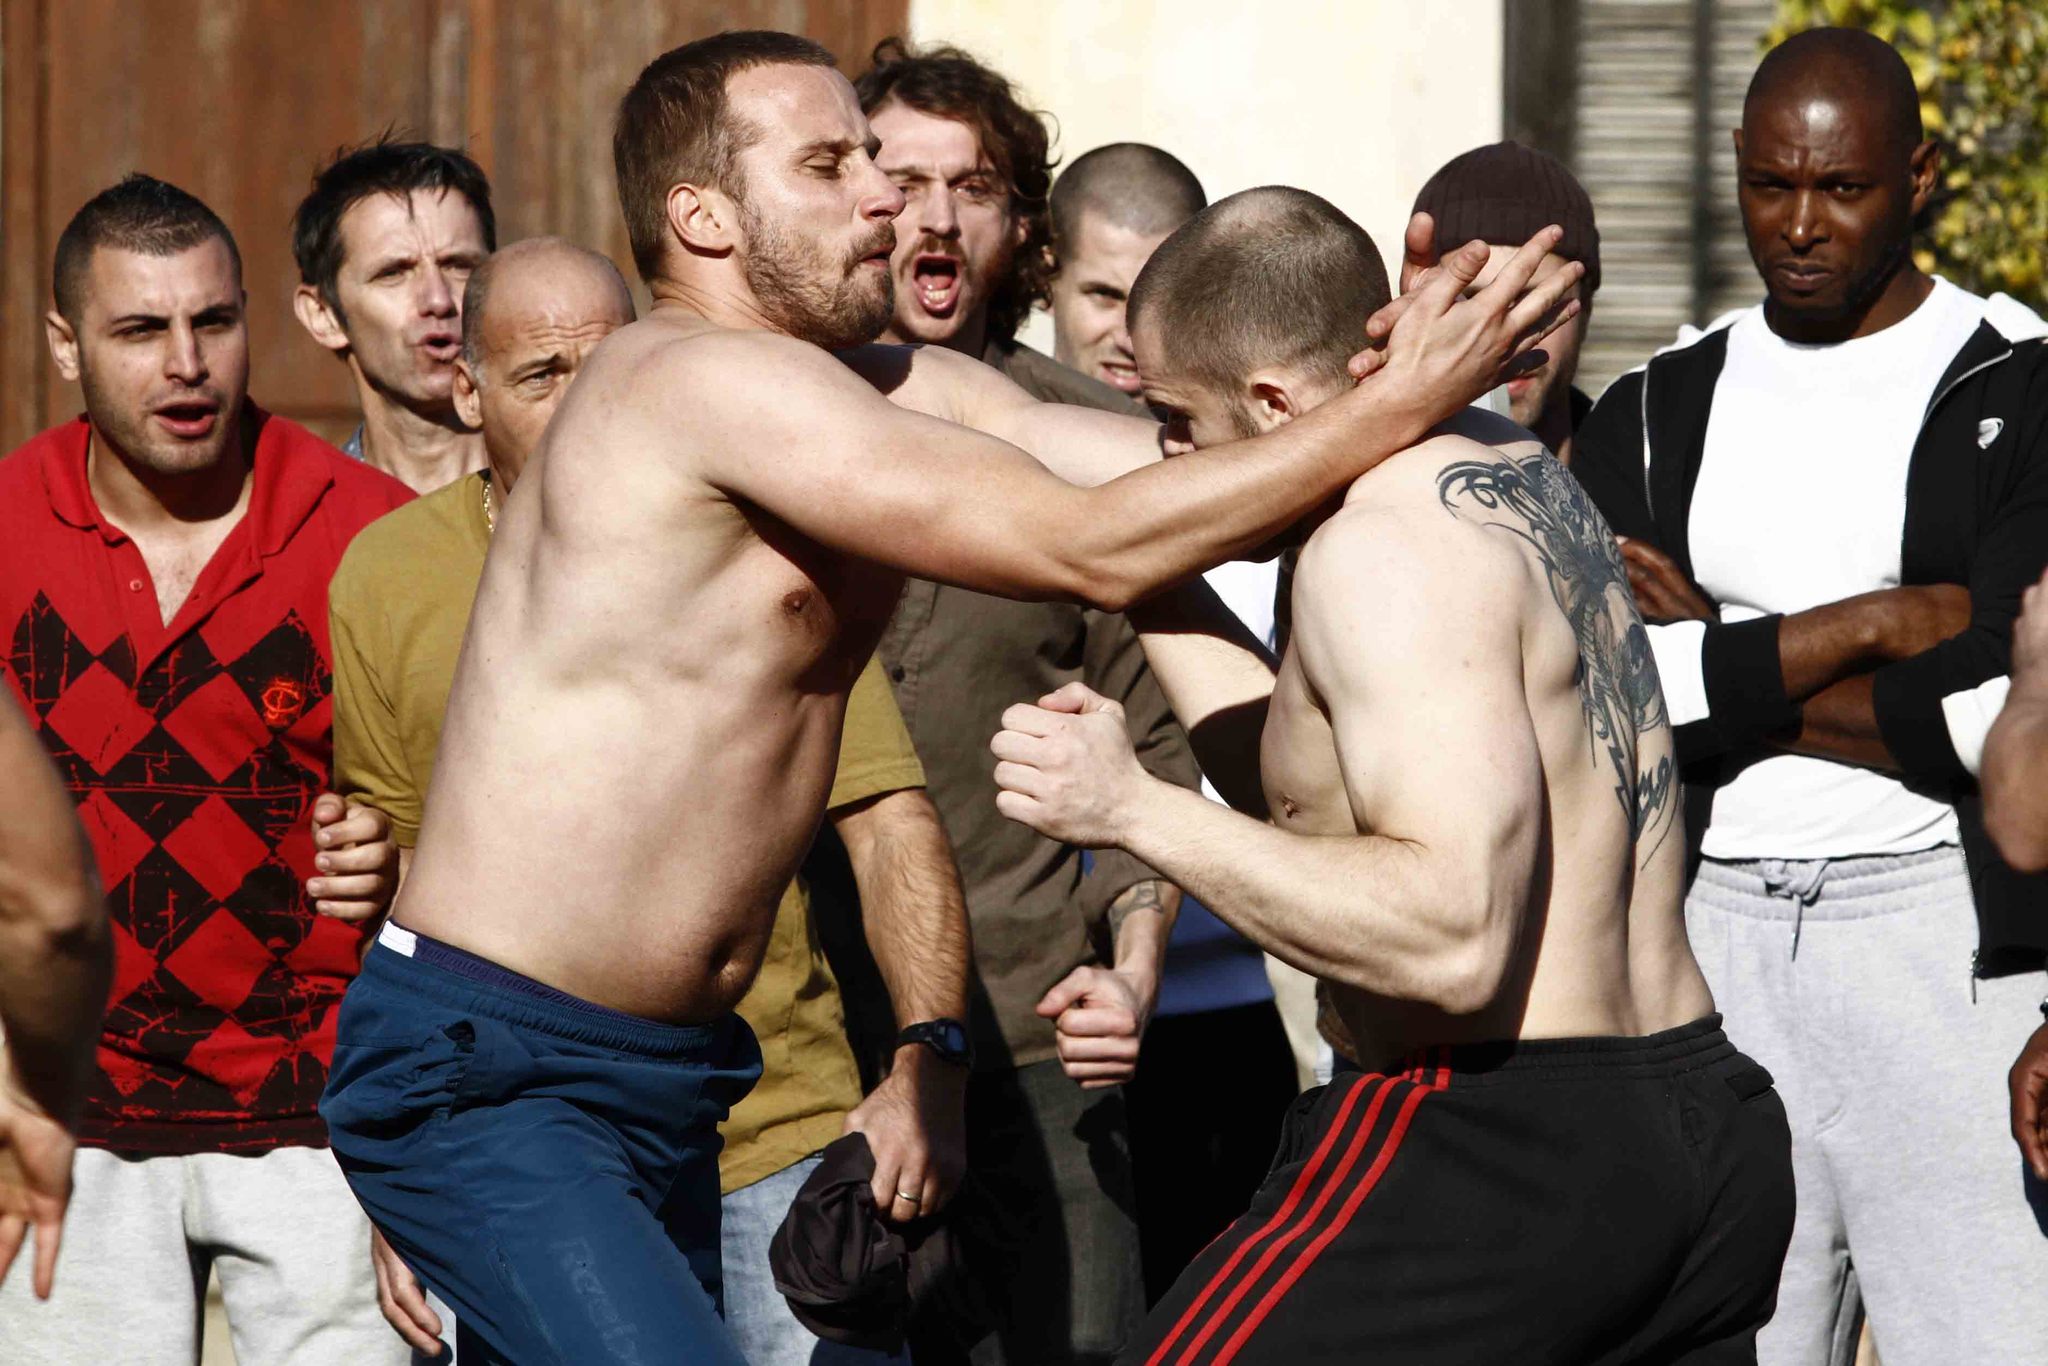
point(1485, 428)
point(709, 366)
point(1396, 565)
point(933, 380)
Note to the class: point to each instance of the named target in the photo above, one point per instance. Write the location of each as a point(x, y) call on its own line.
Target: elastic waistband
point(460, 980)
point(1831, 889)
point(1670, 1052)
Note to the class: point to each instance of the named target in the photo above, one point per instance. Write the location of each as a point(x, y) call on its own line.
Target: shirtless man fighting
point(1553, 1154)
point(645, 717)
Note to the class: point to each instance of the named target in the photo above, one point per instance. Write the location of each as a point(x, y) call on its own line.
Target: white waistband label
point(398, 939)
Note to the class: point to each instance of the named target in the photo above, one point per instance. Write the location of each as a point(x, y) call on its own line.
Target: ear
point(469, 404)
point(1737, 134)
point(319, 319)
point(1925, 168)
point(1273, 400)
point(1019, 230)
point(705, 219)
point(63, 344)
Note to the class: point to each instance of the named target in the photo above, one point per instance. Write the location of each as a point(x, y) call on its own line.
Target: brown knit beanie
point(1505, 193)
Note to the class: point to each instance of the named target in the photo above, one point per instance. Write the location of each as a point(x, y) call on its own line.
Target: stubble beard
point(807, 295)
point(128, 429)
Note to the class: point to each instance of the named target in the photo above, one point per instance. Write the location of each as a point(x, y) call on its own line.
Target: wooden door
point(240, 101)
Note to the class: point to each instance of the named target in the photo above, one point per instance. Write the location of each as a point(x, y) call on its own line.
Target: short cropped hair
point(1132, 184)
point(140, 214)
point(948, 83)
point(1272, 276)
point(384, 165)
point(677, 125)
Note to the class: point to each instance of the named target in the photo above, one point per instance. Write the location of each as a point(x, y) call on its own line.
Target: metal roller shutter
point(1659, 84)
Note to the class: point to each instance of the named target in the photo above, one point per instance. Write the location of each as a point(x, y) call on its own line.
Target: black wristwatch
point(947, 1038)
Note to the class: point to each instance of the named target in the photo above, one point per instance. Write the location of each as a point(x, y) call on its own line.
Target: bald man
point(1832, 504)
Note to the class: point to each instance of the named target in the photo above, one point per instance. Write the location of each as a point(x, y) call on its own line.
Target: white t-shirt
point(1801, 501)
point(1247, 588)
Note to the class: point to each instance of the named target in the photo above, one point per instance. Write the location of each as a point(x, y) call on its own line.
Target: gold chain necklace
point(490, 518)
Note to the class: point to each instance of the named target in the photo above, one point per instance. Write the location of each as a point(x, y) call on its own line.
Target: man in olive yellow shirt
point(399, 604)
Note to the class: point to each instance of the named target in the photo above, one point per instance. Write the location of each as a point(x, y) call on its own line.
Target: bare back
point(1529, 641)
point(644, 723)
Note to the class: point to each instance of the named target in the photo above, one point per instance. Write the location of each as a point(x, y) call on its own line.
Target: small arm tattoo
point(1139, 896)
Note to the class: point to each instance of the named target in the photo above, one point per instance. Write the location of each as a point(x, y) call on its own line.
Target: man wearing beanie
point(1503, 195)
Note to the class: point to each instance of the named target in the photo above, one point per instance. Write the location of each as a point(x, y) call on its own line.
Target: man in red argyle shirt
point(163, 586)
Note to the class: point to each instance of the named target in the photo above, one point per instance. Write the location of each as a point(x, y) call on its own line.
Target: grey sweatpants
point(1849, 979)
point(290, 1243)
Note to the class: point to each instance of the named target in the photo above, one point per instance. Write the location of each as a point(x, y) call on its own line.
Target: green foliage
point(1982, 70)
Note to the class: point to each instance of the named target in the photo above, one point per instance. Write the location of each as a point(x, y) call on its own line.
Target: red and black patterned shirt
point(194, 752)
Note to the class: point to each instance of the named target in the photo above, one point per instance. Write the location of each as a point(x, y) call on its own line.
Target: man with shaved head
point(1831, 505)
point(1552, 1153)
point(1110, 211)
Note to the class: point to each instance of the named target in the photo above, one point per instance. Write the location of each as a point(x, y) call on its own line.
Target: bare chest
point(1298, 760)
point(815, 606)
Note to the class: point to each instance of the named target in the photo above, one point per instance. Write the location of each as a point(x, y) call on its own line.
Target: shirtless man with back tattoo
point(1475, 845)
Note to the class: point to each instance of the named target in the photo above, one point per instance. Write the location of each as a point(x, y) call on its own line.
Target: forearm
point(2015, 794)
point(1840, 722)
point(1141, 921)
point(54, 987)
point(1826, 645)
point(1386, 916)
point(56, 955)
point(912, 906)
point(1156, 526)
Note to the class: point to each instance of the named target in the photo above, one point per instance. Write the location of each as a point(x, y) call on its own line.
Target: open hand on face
point(1456, 348)
point(357, 860)
point(1067, 768)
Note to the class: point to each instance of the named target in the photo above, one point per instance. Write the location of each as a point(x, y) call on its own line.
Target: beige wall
point(1358, 100)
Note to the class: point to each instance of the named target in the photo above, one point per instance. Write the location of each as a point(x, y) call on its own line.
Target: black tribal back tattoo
point(1617, 675)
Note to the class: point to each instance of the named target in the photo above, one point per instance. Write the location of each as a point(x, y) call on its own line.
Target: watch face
point(953, 1038)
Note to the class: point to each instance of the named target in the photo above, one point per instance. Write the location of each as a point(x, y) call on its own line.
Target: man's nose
point(1805, 226)
point(438, 298)
point(883, 199)
point(935, 212)
point(183, 359)
point(1120, 335)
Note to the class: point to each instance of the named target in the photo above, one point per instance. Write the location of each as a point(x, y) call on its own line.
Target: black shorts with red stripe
point(1569, 1201)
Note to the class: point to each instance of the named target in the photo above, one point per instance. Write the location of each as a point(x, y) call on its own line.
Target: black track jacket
point(1976, 515)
